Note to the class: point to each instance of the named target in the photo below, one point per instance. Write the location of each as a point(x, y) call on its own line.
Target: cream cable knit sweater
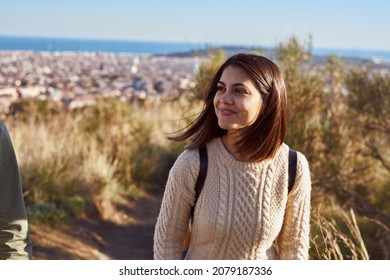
point(243, 211)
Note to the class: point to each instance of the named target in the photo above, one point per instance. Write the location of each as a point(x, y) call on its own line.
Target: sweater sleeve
point(293, 240)
point(15, 242)
point(176, 207)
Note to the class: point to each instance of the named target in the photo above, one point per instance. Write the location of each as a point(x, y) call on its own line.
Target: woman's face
point(237, 102)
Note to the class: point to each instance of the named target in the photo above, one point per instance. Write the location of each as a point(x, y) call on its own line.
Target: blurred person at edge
point(244, 210)
point(15, 241)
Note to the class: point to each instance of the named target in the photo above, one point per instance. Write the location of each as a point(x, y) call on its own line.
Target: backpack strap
point(201, 175)
point(292, 168)
point(202, 171)
point(198, 189)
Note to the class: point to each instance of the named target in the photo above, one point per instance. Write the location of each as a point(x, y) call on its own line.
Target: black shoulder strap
point(201, 175)
point(202, 171)
point(292, 168)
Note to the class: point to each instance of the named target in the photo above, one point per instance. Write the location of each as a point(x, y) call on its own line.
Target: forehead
point(235, 74)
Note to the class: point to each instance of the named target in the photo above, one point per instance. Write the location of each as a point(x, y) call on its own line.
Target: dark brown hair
point(260, 140)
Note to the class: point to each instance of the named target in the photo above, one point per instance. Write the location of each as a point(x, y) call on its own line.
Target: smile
point(226, 112)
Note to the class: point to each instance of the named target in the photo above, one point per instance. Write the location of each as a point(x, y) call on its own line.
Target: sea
point(40, 44)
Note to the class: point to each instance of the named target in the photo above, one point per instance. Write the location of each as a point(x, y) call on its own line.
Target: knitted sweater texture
point(243, 212)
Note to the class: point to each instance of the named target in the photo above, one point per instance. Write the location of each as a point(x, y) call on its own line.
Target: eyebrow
point(234, 85)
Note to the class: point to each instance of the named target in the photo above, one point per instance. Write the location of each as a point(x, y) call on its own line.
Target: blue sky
point(350, 24)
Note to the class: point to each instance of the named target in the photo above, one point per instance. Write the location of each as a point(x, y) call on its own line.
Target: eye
point(220, 88)
point(241, 91)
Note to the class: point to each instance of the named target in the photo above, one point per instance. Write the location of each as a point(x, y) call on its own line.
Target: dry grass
point(335, 243)
point(73, 161)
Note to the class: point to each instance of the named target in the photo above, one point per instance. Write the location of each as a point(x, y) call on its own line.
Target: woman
point(244, 210)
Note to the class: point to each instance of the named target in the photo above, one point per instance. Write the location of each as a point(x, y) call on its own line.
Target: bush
point(96, 154)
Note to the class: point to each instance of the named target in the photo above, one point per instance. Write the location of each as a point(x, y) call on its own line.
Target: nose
point(226, 97)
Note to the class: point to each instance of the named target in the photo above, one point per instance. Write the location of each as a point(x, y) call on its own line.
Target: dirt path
point(85, 239)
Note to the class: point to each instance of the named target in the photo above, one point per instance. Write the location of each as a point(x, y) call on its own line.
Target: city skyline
point(359, 25)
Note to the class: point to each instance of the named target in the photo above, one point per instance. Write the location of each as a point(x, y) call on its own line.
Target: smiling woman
point(263, 93)
point(245, 209)
point(237, 101)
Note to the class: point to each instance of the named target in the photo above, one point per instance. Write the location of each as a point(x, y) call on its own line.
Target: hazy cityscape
point(76, 78)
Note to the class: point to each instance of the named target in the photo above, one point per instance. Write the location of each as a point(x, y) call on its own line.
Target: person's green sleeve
point(15, 241)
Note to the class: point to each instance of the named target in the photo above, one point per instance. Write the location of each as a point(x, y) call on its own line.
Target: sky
point(336, 24)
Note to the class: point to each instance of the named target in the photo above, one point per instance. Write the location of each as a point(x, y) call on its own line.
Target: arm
point(175, 209)
point(14, 238)
point(293, 240)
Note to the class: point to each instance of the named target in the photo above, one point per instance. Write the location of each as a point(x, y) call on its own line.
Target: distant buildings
point(76, 78)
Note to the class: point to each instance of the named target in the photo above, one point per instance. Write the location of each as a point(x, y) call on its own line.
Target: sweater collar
point(227, 157)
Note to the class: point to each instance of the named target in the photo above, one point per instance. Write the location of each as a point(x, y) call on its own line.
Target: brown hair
point(261, 139)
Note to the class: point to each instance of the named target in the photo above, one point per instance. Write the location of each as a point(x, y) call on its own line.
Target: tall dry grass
point(337, 118)
point(77, 161)
point(337, 238)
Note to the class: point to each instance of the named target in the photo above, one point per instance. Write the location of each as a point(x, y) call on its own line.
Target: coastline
point(161, 48)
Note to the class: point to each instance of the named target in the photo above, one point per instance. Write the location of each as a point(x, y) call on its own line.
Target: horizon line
point(186, 41)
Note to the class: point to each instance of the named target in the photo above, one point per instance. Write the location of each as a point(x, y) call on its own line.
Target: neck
point(228, 141)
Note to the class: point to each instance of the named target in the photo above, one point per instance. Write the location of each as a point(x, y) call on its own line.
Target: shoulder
point(302, 163)
point(5, 140)
point(183, 174)
point(303, 178)
point(189, 159)
point(189, 156)
point(187, 162)
point(3, 131)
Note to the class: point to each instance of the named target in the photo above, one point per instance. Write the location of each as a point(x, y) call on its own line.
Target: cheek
point(215, 100)
point(255, 108)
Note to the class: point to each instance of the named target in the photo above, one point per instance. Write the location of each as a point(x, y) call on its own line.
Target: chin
point(227, 126)
point(224, 125)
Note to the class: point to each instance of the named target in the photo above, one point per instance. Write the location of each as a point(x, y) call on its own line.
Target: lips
point(226, 112)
